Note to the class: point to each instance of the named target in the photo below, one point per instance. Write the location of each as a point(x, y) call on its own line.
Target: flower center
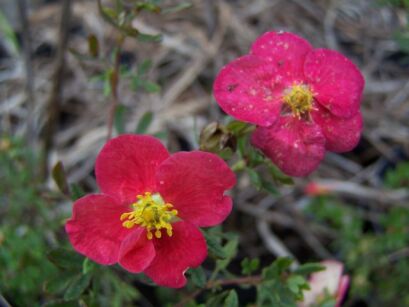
point(151, 212)
point(299, 97)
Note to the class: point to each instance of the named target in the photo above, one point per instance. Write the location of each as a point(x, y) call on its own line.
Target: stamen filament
point(152, 213)
point(299, 97)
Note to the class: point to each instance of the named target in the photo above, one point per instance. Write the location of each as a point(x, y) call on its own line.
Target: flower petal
point(329, 278)
point(295, 146)
point(324, 281)
point(95, 229)
point(341, 134)
point(286, 50)
point(335, 80)
point(245, 89)
point(174, 255)
point(127, 164)
point(194, 183)
point(137, 252)
point(342, 289)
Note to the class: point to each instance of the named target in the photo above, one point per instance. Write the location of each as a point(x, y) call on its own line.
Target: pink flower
point(328, 282)
point(151, 204)
point(304, 100)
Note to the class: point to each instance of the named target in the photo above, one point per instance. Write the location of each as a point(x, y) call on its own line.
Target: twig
point(53, 103)
point(398, 98)
point(274, 244)
point(282, 219)
point(312, 8)
point(309, 237)
point(343, 163)
point(199, 61)
point(29, 84)
point(3, 302)
point(374, 86)
point(329, 21)
point(391, 197)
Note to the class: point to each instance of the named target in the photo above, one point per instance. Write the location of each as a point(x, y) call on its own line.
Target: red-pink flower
point(304, 100)
point(329, 282)
point(151, 204)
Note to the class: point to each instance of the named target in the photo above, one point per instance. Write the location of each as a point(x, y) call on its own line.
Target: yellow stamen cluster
point(299, 97)
point(151, 212)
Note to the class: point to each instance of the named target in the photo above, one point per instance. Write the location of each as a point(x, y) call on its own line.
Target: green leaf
point(269, 187)
point(130, 31)
point(198, 276)
point(60, 178)
point(76, 191)
point(136, 83)
point(238, 166)
point(275, 293)
point(232, 299)
point(296, 283)
point(239, 128)
point(177, 8)
point(149, 38)
point(230, 250)
point(398, 177)
point(65, 258)
point(148, 7)
point(88, 266)
point(109, 13)
point(248, 266)
point(10, 37)
point(275, 270)
point(215, 248)
point(151, 87)
point(119, 121)
point(59, 283)
point(144, 123)
point(144, 67)
point(93, 46)
point(77, 286)
point(255, 178)
point(107, 88)
point(308, 268)
point(254, 157)
point(277, 175)
point(163, 135)
point(402, 38)
point(216, 300)
point(225, 153)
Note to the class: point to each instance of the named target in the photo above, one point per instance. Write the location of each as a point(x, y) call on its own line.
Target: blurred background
point(73, 73)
